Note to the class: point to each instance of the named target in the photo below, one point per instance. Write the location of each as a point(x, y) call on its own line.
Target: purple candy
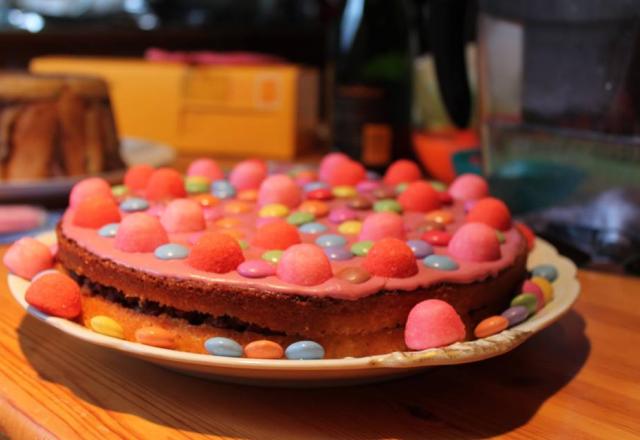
point(338, 253)
point(420, 248)
point(469, 204)
point(339, 215)
point(367, 186)
point(516, 314)
point(256, 269)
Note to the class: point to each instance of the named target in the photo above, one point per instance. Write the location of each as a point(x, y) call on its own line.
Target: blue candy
point(420, 248)
point(171, 251)
point(440, 262)
point(338, 253)
point(314, 185)
point(134, 204)
point(372, 175)
point(312, 228)
point(545, 271)
point(109, 230)
point(222, 189)
point(331, 240)
point(304, 350)
point(223, 347)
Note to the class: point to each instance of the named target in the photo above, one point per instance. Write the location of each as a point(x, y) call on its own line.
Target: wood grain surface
point(580, 378)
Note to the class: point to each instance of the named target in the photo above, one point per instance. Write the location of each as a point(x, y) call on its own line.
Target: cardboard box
point(265, 111)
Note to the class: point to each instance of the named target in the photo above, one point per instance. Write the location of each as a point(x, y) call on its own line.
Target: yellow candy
point(274, 210)
point(344, 191)
point(237, 207)
point(350, 227)
point(439, 216)
point(315, 207)
point(228, 222)
point(545, 286)
point(106, 326)
point(248, 195)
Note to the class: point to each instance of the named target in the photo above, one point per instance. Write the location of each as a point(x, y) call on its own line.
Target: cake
point(54, 126)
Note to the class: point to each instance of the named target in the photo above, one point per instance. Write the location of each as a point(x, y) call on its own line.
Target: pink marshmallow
point(27, 256)
point(433, 323)
point(338, 169)
point(328, 163)
point(304, 265)
point(475, 242)
point(279, 188)
point(140, 232)
point(91, 187)
point(183, 215)
point(205, 168)
point(469, 187)
point(248, 174)
point(382, 225)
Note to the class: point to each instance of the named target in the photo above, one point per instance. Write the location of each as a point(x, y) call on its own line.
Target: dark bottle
point(372, 81)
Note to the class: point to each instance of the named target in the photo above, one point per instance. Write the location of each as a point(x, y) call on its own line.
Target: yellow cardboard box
point(266, 110)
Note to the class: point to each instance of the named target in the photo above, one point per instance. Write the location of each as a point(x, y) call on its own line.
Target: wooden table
point(580, 378)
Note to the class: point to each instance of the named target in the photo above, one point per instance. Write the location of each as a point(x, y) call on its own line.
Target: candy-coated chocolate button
point(196, 184)
point(440, 216)
point(220, 346)
point(361, 248)
point(437, 238)
point(527, 300)
point(440, 262)
point(300, 218)
point(545, 286)
point(222, 189)
point(500, 235)
point(237, 207)
point(331, 240)
point(311, 186)
point(438, 186)
point(350, 227)
point(171, 251)
point(420, 248)
point(430, 226)
point(156, 337)
point(109, 230)
point(235, 233)
point(353, 274)
point(338, 253)
point(384, 192)
point(491, 326)
point(243, 244)
point(263, 349)
point(248, 195)
point(339, 215)
point(256, 269)
point(106, 326)
point(320, 194)
point(134, 204)
point(228, 222)
point(359, 202)
point(273, 210)
point(516, 314)
point(387, 205)
point(372, 175)
point(315, 207)
point(304, 350)
point(367, 186)
point(547, 271)
point(206, 200)
point(272, 256)
point(119, 191)
point(313, 228)
point(401, 187)
point(343, 191)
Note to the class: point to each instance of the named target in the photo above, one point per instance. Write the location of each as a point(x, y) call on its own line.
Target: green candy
point(528, 300)
point(361, 248)
point(438, 186)
point(500, 235)
point(243, 244)
point(119, 190)
point(196, 185)
point(389, 205)
point(272, 256)
point(300, 218)
point(401, 187)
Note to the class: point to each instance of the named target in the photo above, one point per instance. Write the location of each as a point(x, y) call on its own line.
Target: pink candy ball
point(27, 256)
point(304, 265)
point(183, 215)
point(329, 163)
point(469, 187)
point(91, 187)
point(475, 242)
point(248, 174)
point(279, 188)
point(433, 323)
point(205, 168)
point(338, 169)
point(382, 225)
point(140, 232)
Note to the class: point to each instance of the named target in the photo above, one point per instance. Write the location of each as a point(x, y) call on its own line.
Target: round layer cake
point(336, 255)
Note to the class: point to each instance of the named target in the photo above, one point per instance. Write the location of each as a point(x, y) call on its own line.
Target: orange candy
point(440, 216)
point(155, 336)
point(315, 207)
point(263, 349)
point(94, 212)
point(206, 200)
point(235, 233)
point(228, 222)
point(492, 212)
point(248, 195)
point(237, 207)
point(491, 326)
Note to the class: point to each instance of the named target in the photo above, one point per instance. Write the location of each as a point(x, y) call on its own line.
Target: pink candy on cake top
point(248, 174)
point(402, 171)
point(91, 187)
point(27, 257)
point(140, 232)
point(183, 215)
point(137, 177)
point(469, 187)
point(279, 188)
point(276, 234)
point(97, 211)
point(475, 242)
point(419, 196)
point(215, 252)
point(205, 167)
point(165, 184)
point(492, 212)
point(379, 225)
point(391, 257)
point(304, 265)
point(433, 323)
point(338, 169)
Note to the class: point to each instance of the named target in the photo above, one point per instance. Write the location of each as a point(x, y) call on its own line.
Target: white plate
point(329, 372)
point(134, 151)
